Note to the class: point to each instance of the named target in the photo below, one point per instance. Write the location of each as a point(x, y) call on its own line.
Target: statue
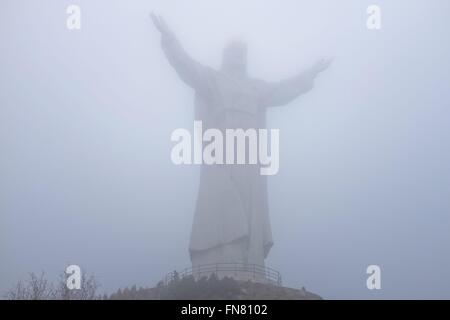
point(231, 221)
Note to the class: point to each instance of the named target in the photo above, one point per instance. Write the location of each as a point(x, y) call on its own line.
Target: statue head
point(234, 59)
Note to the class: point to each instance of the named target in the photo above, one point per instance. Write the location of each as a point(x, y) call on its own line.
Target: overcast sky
point(86, 117)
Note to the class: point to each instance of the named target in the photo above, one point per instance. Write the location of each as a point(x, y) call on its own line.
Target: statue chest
point(234, 104)
point(237, 95)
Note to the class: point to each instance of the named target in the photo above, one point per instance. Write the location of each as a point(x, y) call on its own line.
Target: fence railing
point(237, 271)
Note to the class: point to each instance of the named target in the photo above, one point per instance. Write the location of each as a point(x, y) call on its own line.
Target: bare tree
point(34, 288)
point(39, 288)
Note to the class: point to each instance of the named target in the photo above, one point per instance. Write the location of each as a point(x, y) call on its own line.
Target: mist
point(86, 118)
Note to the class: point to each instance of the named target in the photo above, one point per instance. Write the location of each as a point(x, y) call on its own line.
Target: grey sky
point(86, 118)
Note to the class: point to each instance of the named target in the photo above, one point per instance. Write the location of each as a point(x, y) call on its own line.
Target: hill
point(212, 288)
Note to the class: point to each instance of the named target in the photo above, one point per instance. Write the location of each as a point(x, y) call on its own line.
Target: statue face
point(235, 58)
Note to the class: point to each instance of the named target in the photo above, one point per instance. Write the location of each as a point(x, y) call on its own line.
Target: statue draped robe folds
point(231, 221)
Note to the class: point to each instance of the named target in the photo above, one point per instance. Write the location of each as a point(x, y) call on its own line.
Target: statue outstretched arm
point(190, 71)
point(285, 91)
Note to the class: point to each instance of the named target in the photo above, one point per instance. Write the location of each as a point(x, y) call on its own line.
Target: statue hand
point(161, 25)
point(321, 66)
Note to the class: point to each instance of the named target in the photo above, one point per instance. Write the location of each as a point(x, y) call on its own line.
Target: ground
point(213, 289)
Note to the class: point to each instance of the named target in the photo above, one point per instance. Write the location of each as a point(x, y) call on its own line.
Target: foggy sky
point(86, 117)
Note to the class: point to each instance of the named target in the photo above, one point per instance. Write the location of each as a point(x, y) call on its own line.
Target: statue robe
point(232, 202)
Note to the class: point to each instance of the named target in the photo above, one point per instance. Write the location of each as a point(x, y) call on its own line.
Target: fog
point(86, 118)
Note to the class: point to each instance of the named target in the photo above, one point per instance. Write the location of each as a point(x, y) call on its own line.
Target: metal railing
point(237, 271)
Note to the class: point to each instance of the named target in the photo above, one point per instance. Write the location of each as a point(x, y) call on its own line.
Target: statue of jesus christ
point(231, 221)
